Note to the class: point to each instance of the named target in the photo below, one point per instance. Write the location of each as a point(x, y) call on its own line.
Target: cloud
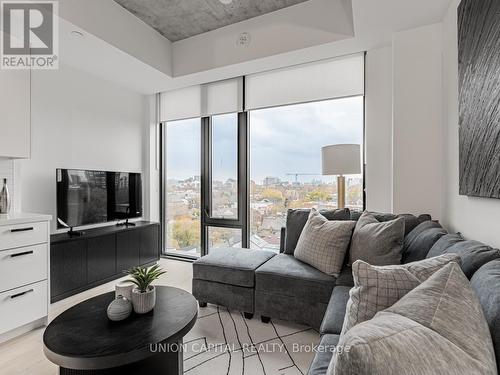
point(283, 140)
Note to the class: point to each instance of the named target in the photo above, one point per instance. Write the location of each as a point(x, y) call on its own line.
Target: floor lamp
point(340, 160)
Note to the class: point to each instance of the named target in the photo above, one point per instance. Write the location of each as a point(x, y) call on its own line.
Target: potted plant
point(144, 294)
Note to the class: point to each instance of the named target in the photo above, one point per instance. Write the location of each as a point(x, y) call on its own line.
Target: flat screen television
point(91, 197)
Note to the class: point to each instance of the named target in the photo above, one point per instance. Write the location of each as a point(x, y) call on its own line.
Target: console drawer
point(20, 235)
point(23, 305)
point(22, 266)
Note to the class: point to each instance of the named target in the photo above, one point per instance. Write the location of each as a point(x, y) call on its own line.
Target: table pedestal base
point(163, 363)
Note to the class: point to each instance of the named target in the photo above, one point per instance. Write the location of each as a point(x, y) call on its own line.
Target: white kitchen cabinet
point(24, 273)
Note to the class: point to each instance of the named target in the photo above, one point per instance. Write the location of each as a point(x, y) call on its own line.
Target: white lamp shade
point(341, 159)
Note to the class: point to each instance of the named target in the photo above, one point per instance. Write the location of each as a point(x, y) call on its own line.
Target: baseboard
point(23, 329)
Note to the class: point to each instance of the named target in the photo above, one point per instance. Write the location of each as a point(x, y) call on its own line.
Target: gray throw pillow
point(378, 243)
point(323, 244)
point(437, 328)
point(377, 288)
point(297, 218)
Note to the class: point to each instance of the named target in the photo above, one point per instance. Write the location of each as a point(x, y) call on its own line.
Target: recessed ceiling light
point(77, 34)
point(226, 2)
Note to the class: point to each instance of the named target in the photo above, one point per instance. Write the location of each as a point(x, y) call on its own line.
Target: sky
point(283, 140)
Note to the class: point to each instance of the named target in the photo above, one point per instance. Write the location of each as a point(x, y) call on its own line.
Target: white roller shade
point(326, 79)
point(202, 100)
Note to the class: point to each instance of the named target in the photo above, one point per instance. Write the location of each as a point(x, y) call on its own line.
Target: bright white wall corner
point(475, 218)
point(151, 158)
point(378, 130)
point(78, 121)
point(417, 121)
point(110, 22)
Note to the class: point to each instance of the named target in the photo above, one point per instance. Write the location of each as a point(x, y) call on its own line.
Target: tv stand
point(75, 233)
point(126, 223)
point(100, 255)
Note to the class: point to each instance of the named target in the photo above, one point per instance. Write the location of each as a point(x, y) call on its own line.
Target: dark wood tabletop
point(82, 337)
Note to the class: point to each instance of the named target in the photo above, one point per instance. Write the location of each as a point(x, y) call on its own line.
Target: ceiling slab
point(181, 19)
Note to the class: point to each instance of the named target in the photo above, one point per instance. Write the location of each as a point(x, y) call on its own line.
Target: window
point(183, 187)
point(225, 166)
point(224, 237)
point(285, 162)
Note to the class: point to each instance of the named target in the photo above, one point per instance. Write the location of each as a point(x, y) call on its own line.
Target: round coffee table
point(83, 341)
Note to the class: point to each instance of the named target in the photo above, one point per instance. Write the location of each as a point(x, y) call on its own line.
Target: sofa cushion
point(335, 312)
point(377, 288)
point(326, 349)
point(419, 241)
point(473, 253)
point(378, 243)
point(323, 243)
point(297, 218)
point(286, 275)
point(486, 284)
point(230, 265)
point(411, 221)
point(437, 328)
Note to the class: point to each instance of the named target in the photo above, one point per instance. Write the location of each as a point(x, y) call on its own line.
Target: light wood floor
point(24, 354)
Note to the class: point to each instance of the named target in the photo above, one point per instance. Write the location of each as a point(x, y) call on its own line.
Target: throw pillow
point(297, 218)
point(378, 243)
point(437, 328)
point(323, 243)
point(473, 253)
point(377, 288)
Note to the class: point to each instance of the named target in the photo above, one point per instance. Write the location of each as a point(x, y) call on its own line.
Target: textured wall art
point(479, 97)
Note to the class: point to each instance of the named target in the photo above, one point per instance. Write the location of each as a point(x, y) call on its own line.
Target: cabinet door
point(150, 244)
point(128, 246)
point(15, 127)
point(68, 269)
point(101, 258)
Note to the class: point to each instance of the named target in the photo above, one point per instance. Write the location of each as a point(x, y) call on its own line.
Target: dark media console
point(99, 255)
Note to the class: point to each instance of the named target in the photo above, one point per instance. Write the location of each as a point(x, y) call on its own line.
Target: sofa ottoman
point(226, 277)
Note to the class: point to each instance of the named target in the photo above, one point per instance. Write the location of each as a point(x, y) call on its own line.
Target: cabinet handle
point(21, 294)
point(21, 254)
point(21, 229)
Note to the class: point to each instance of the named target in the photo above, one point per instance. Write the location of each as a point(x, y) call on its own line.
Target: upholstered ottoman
point(226, 277)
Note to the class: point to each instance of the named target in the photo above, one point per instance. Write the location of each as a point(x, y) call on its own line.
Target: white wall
point(475, 218)
point(417, 121)
point(78, 121)
point(378, 119)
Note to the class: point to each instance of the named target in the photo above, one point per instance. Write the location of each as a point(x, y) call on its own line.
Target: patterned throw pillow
point(437, 328)
point(323, 244)
point(378, 243)
point(379, 287)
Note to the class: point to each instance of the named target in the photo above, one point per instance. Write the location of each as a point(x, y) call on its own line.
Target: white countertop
point(22, 217)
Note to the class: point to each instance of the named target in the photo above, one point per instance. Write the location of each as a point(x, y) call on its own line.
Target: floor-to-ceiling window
point(182, 184)
point(252, 150)
point(285, 162)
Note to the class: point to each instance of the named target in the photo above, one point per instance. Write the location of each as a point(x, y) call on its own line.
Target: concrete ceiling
point(181, 19)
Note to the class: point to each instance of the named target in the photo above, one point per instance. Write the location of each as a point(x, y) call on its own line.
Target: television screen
point(91, 197)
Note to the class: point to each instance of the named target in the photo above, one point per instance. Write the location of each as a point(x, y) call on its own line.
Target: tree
point(273, 195)
point(318, 195)
point(186, 232)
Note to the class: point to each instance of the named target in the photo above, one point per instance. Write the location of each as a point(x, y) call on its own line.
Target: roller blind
point(326, 79)
point(202, 100)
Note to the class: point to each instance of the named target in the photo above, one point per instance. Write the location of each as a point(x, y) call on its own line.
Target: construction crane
point(300, 174)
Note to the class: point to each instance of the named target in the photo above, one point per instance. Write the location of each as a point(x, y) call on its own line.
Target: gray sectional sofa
point(282, 287)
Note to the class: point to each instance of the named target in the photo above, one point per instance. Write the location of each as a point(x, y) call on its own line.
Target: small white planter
point(144, 302)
